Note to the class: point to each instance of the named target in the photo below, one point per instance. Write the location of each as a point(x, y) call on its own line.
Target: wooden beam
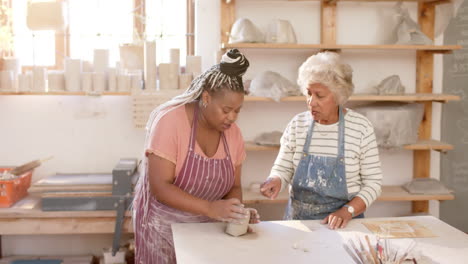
point(228, 16)
point(328, 22)
point(433, 48)
point(6, 21)
point(68, 225)
point(62, 46)
point(190, 27)
point(424, 83)
point(420, 207)
point(139, 14)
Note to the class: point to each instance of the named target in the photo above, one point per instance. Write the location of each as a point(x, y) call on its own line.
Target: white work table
point(304, 242)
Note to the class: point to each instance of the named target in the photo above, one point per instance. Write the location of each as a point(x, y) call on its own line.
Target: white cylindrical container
point(168, 76)
point(136, 82)
point(87, 82)
point(101, 60)
point(150, 66)
point(88, 66)
point(132, 56)
point(25, 82)
point(39, 79)
point(174, 57)
point(193, 65)
point(99, 82)
point(12, 64)
point(123, 82)
point(7, 81)
point(238, 229)
point(56, 81)
point(112, 80)
point(73, 69)
point(185, 79)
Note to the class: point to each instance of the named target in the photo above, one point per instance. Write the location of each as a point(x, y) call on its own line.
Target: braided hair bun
point(234, 63)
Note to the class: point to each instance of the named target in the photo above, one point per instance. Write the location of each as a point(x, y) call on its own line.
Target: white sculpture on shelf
point(280, 31)
point(273, 85)
point(395, 124)
point(390, 85)
point(408, 30)
point(244, 30)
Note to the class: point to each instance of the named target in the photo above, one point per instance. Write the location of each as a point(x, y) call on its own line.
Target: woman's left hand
point(338, 219)
point(254, 216)
point(254, 219)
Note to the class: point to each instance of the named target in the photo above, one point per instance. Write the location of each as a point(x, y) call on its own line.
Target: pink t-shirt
point(170, 138)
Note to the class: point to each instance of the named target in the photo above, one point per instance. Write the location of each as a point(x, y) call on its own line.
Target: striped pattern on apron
point(205, 178)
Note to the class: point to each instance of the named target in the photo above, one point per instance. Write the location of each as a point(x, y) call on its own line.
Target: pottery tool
point(380, 253)
point(355, 258)
point(17, 171)
point(372, 251)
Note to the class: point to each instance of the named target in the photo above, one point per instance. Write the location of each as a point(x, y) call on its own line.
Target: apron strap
point(305, 150)
point(341, 135)
point(193, 132)
point(226, 147)
point(341, 128)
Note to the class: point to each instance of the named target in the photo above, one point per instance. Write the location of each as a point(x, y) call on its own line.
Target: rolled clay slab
point(238, 229)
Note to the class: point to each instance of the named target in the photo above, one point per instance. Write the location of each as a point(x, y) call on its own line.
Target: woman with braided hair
point(193, 157)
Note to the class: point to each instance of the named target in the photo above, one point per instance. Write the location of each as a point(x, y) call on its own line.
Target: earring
point(204, 104)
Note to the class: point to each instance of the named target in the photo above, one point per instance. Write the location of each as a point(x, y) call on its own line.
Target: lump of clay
point(234, 229)
point(273, 85)
point(395, 124)
point(269, 138)
point(244, 30)
point(408, 30)
point(390, 85)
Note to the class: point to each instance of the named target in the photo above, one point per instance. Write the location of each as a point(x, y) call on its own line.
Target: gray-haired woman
point(329, 154)
point(193, 157)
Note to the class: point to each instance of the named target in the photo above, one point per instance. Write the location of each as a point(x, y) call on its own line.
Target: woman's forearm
point(235, 192)
point(358, 204)
point(173, 196)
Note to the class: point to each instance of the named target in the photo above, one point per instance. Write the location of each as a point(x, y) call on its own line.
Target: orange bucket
point(14, 190)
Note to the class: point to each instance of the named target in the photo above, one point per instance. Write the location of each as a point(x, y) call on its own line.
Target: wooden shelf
point(420, 145)
point(251, 146)
point(389, 193)
point(442, 98)
point(414, 97)
point(429, 145)
point(397, 193)
point(432, 48)
point(64, 93)
point(423, 1)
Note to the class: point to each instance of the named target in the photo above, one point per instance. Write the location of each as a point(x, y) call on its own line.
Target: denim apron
point(319, 183)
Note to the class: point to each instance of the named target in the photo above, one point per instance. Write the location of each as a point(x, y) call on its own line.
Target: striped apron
point(205, 178)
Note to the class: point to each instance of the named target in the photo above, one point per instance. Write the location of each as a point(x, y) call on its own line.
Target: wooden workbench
point(27, 218)
point(303, 242)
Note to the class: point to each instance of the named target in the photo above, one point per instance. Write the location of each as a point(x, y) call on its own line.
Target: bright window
point(32, 47)
point(166, 22)
point(99, 24)
point(102, 24)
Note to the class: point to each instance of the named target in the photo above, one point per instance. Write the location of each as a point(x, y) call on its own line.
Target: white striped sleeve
point(283, 166)
point(370, 168)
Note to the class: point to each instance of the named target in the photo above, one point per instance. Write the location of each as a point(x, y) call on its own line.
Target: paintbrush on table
point(372, 251)
point(17, 171)
point(353, 256)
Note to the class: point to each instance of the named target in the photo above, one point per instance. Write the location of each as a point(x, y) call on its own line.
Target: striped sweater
point(362, 163)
